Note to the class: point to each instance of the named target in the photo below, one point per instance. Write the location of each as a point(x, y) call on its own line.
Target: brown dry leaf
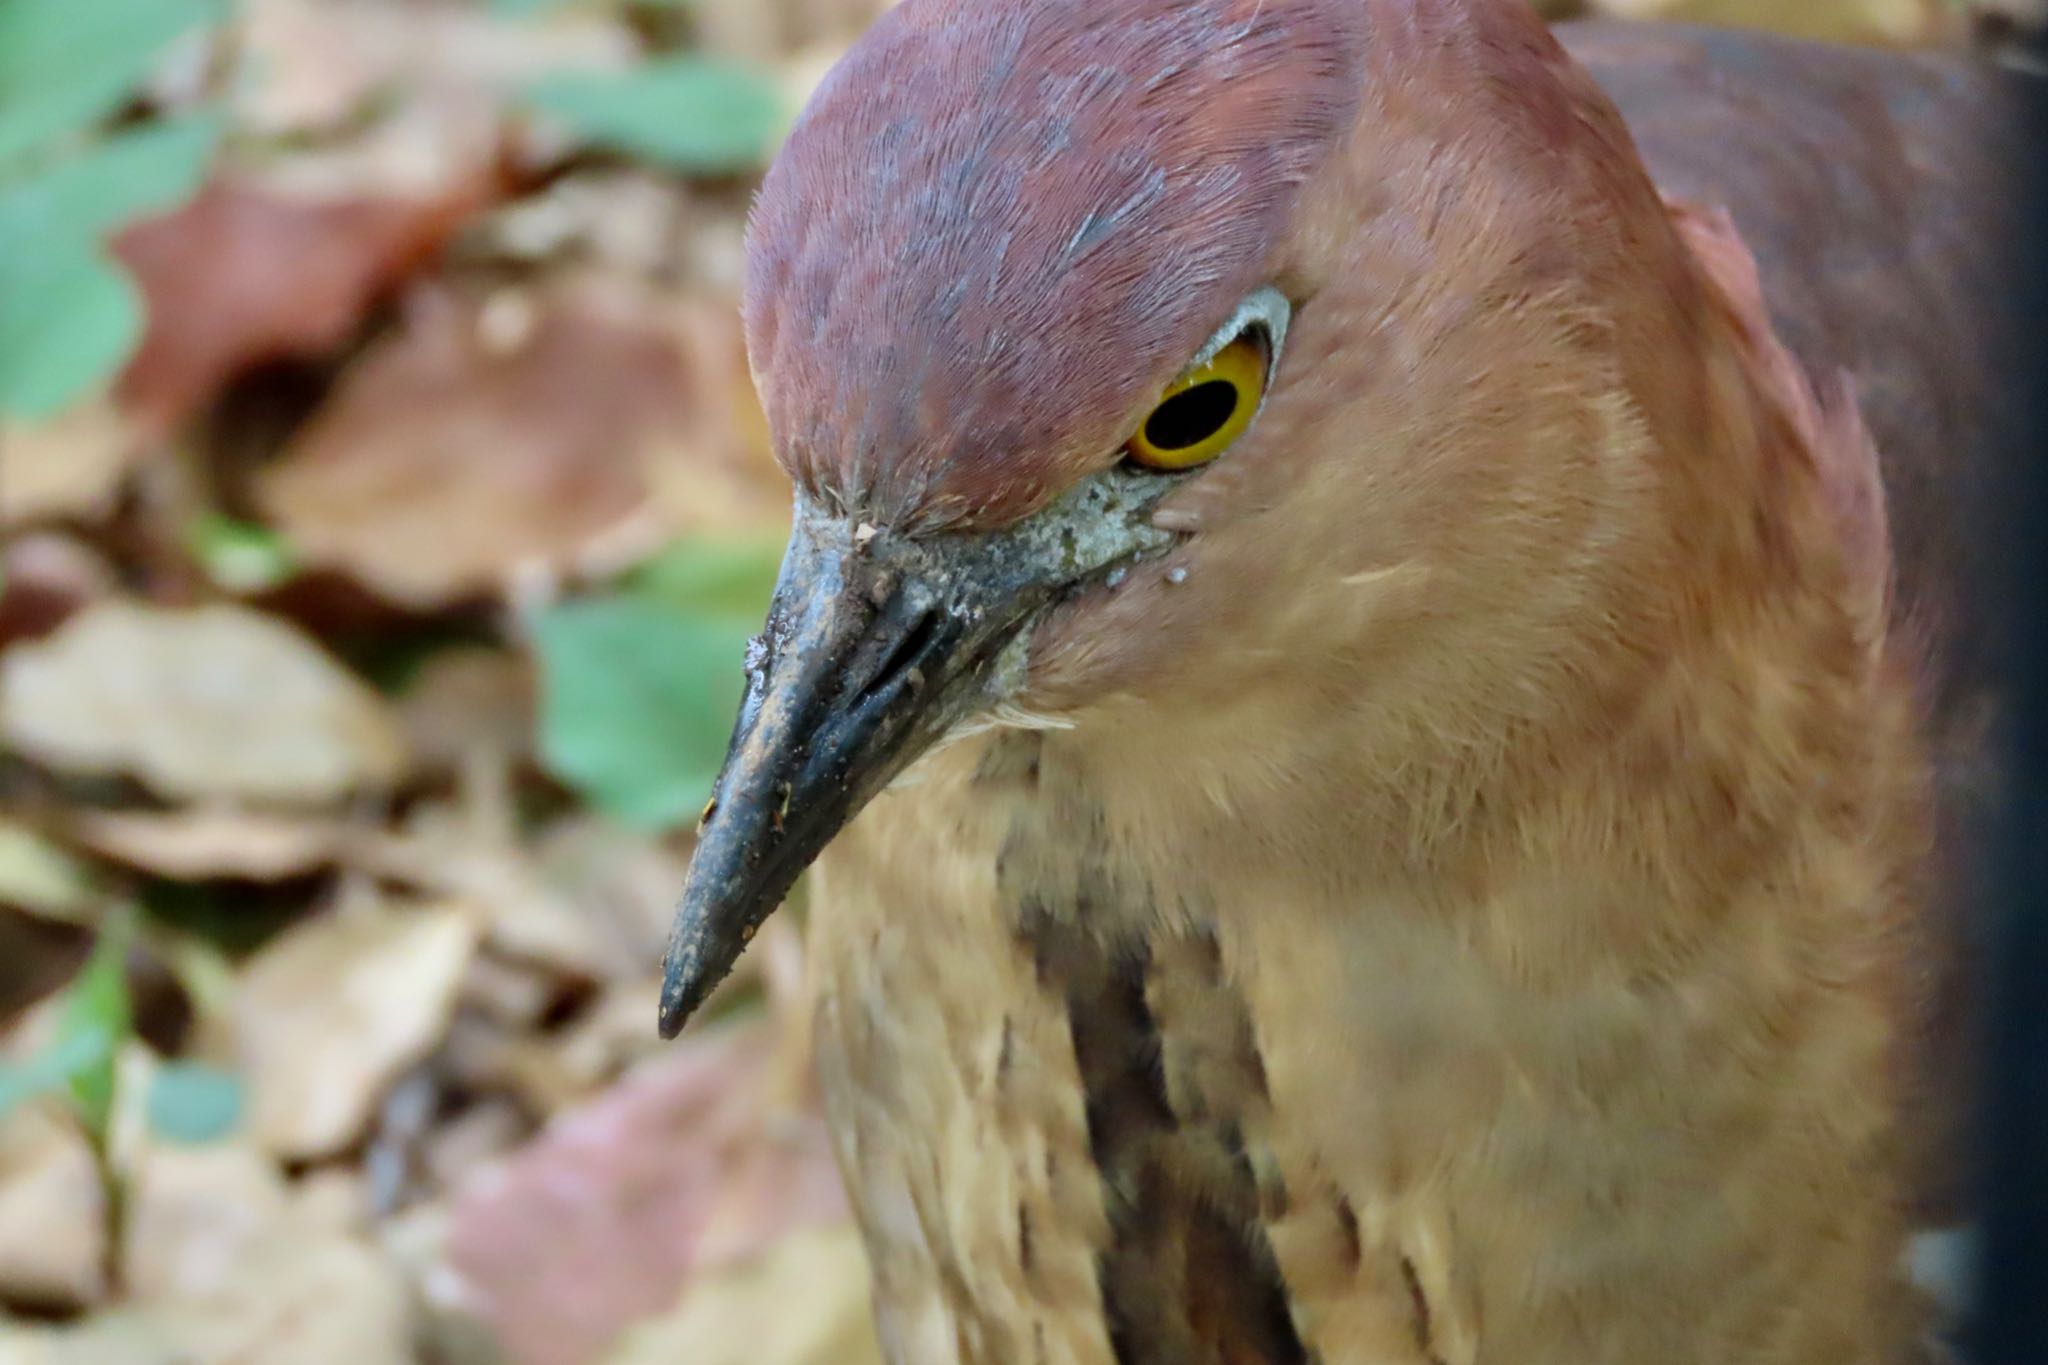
point(687, 1164)
point(69, 466)
point(480, 440)
point(207, 842)
point(242, 275)
point(330, 1013)
point(803, 1302)
point(52, 1237)
point(215, 701)
point(1888, 22)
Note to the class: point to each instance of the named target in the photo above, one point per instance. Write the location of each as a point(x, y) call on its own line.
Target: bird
point(1373, 674)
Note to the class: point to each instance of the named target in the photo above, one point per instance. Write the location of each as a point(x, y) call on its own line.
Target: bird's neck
point(1719, 724)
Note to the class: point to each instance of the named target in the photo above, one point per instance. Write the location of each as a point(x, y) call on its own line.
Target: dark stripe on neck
point(1189, 1276)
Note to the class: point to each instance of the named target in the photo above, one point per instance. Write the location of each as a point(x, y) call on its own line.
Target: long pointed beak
point(871, 653)
point(877, 645)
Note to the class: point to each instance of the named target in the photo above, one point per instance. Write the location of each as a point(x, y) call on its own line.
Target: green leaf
point(68, 317)
point(68, 320)
point(637, 700)
point(690, 114)
point(65, 63)
point(239, 555)
point(53, 1069)
point(97, 1009)
point(193, 1103)
point(733, 577)
point(79, 200)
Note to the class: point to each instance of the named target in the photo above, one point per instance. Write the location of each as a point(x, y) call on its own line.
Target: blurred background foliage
point(386, 512)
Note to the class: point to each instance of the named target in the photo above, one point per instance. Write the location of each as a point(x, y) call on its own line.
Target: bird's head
point(1124, 349)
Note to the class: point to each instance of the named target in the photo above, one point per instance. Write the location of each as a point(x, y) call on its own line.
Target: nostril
point(910, 648)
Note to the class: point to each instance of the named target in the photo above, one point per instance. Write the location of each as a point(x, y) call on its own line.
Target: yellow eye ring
point(1204, 412)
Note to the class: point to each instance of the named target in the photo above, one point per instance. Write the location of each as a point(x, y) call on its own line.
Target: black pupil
point(1191, 416)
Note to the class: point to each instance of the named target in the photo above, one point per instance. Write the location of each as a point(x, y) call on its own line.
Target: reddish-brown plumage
point(1452, 894)
point(999, 229)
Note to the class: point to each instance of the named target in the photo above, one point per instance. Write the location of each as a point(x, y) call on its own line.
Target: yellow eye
point(1206, 409)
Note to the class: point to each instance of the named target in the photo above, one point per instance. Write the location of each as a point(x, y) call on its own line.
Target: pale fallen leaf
point(124, 1337)
point(627, 219)
point(334, 1009)
point(196, 1213)
point(227, 1265)
point(37, 875)
point(508, 993)
point(445, 850)
point(602, 1219)
point(802, 1302)
point(588, 900)
point(207, 842)
point(334, 1199)
point(215, 701)
point(242, 275)
point(52, 1233)
point(297, 1299)
point(70, 466)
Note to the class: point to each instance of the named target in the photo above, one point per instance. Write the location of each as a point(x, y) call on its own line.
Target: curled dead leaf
point(215, 701)
point(329, 1014)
